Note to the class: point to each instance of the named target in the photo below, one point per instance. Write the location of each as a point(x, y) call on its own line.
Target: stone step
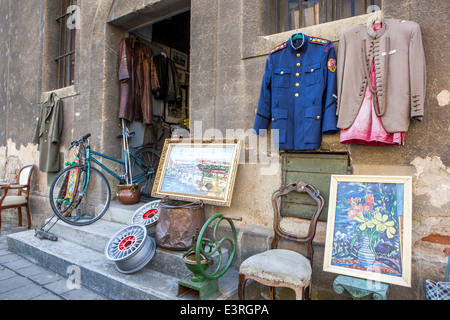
point(101, 275)
point(97, 235)
point(120, 213)
point(84, 246)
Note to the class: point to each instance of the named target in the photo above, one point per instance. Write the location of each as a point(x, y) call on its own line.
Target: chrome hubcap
point(130, 248)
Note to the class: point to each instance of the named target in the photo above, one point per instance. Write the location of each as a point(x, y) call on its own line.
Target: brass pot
point(129, 193)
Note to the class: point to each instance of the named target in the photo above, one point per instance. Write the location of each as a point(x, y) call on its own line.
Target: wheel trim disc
point(148, 214)
point(131, 249)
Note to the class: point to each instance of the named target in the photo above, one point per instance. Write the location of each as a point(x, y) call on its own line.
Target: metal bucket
point(178, 222)
point(130, 248)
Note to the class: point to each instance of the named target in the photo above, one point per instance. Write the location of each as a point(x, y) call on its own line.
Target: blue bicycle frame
point(148, 171)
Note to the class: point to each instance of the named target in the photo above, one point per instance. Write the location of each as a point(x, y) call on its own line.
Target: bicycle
point(149, 155)
point(80, 194)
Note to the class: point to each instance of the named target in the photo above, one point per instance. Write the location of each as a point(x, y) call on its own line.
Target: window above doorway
point(295, 14)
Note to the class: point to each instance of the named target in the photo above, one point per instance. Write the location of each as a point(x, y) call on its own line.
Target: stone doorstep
point(84, 247)
point(97, 235)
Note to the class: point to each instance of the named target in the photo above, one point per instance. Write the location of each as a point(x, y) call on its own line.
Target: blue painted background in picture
point(368, 227)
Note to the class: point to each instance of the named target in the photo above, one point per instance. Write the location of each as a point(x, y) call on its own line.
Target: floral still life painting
point(368, 232)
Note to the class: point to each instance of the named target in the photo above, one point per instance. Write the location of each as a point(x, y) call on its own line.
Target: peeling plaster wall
point(27, 77)
point(433, 180)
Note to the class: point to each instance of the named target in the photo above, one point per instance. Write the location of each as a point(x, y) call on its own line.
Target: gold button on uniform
point(318, 117)
point(298, 64)
point(282, 72)
point(298, 54)
point(297, 84)
point(296, 94)
point(297, 74)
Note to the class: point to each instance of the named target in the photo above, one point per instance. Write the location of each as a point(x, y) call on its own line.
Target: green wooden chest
point(315, 169)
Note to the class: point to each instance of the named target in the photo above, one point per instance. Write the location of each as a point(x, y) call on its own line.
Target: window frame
point(328, 10)
point(261, 45)
point(66, 46)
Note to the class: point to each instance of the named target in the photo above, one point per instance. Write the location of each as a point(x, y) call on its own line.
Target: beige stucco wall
point(229, 45)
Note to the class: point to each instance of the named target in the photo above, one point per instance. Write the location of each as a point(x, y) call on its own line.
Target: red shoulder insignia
point(279, 47)
point(318, 40)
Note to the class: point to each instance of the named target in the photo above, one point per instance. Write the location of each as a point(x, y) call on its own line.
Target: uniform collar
point(378, 33)
point(298, 44)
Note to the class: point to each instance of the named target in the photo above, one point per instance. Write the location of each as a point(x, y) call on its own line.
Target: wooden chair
point(20, 198)
point(282, 267)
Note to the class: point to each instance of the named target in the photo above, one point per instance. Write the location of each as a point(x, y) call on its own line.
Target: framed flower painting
point(369, 228)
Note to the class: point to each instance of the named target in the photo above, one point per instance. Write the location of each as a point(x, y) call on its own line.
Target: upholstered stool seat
point(279, 265)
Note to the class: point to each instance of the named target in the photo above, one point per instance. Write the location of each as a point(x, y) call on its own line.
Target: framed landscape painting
point(369, 228)
point(198, 170)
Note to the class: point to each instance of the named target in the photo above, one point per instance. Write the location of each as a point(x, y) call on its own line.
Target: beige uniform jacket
point(398, 54)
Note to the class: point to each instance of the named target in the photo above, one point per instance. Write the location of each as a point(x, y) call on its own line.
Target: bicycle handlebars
point(77, 142)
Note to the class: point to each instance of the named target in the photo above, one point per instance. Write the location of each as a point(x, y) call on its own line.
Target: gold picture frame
point(193, 170)
point(369, 228)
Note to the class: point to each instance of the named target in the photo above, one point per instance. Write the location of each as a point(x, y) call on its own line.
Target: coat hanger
point(297, 36)
point(376, 20)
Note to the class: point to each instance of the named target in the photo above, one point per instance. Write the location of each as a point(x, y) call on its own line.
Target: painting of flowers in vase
point(368, 231)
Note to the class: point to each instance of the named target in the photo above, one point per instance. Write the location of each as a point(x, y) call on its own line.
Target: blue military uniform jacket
point(298, 93)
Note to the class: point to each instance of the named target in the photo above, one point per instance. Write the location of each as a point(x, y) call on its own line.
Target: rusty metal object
point(178, 222)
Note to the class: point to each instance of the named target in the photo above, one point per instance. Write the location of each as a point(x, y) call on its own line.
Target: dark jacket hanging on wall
point(48, 132)
point(170, 89)
point(138, 78)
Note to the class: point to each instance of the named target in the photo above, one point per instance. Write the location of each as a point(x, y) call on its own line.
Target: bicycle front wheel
point(80, 196)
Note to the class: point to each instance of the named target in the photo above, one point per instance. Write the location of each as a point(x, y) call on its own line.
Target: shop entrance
point(169, 41)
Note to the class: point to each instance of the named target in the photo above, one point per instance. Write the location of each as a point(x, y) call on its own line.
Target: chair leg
point(298, 293)
point(272, 293)
point(20, 216)
point(241, 286)
point(28, 216)
point(307, 293)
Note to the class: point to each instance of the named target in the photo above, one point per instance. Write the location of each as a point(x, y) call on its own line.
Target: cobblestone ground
point(21, 279)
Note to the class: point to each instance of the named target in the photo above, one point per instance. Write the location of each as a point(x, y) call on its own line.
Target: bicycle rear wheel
point(150, 158)
point(80, 196)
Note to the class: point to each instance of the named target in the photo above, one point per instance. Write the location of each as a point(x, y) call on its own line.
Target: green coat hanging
point(48, 132)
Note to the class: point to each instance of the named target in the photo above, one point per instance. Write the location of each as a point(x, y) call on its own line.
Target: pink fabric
point(367, 128)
